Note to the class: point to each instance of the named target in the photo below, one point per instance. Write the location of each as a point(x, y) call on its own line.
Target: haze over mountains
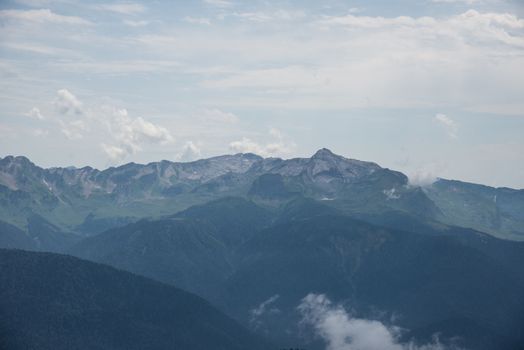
point(280, 246)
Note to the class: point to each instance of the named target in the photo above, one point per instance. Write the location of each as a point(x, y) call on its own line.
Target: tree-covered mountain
point(194, 249)
point(51, 301)
point(428, 281)
point(240, 256)
point(39, 235)
point(87, 201)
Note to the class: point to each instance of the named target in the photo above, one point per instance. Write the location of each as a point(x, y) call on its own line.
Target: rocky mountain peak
point(16, 160)
point(325, 154)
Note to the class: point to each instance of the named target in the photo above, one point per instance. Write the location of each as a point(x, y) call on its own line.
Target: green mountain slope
point(423, 279)
point(194, 250)
point(498, 211)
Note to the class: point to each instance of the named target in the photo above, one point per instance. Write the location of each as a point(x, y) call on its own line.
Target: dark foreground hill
point(50, 301)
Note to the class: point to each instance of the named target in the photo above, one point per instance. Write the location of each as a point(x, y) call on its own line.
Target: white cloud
point(35, 113)
point(468, 58)
point(125, 8)
point(42, 16)
point(278, 15)
point(449, 124)
point(340, 331)
point(40, 3)
point(67, 103)
point(468, 2)
point(368, 22)
point(422, 177)
point(131, 133)
point(39, 49)
point(355, 10)
point(246, 145)
point(190, 152)
point(466, 26)
point(125, 135)
point(219, 3)
point(277, 146)
point(197, 20)
point(115, 153)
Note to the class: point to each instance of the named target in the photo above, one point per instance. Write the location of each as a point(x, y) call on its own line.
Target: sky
point(433, 88)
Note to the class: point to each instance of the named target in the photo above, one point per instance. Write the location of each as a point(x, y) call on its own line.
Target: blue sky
point(433, 88)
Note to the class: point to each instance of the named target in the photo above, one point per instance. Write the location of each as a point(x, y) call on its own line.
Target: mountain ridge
point(87, 200)
point(317, 155)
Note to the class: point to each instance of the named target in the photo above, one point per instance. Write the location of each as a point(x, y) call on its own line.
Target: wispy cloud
point(41, 49)
point(265, 307)
point(219, 3)
point(470, 24)
point(277, 15)
point(131, 23)
point(125, 8)
point(449, 125)
point(42, 16)
point(468, 2)
point(117, 67)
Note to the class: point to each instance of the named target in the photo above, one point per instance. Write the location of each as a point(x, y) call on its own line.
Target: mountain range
point(87, 201)
point(254, 237)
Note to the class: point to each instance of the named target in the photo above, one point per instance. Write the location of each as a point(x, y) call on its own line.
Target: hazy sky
point(428, 87)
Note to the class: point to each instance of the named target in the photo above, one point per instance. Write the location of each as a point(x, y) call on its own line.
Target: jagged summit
point(21, 160)
point(325, 153)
